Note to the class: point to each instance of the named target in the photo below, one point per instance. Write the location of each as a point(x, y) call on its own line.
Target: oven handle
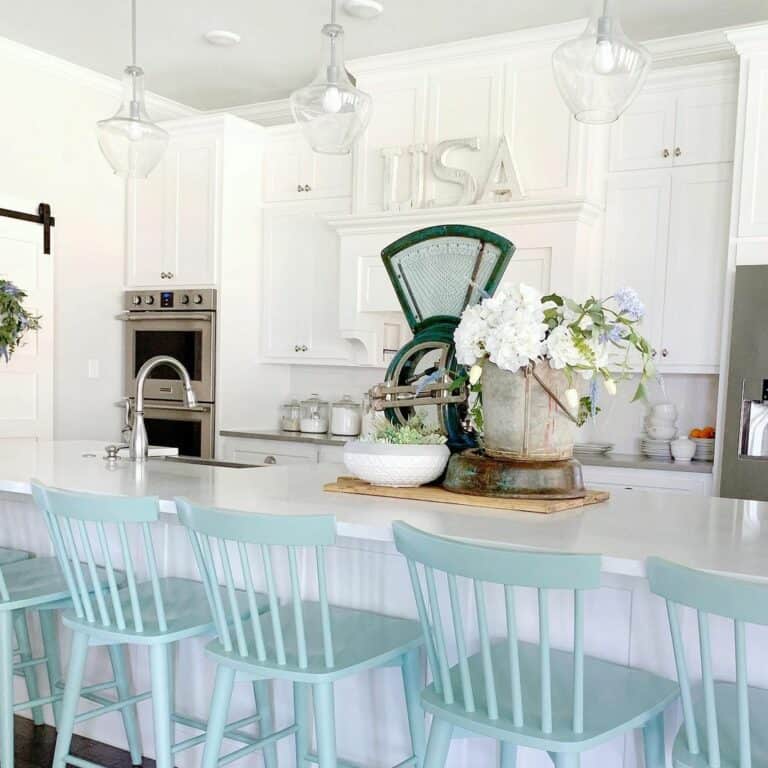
point(165, 316)
point(194, 409)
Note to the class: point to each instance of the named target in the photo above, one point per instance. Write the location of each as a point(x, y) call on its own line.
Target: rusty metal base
point(475, 473)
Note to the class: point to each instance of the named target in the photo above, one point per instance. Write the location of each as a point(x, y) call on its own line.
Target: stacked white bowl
point(660, 431)
point(705, 448)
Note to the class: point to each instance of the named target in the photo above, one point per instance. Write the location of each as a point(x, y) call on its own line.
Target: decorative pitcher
point(525, 414)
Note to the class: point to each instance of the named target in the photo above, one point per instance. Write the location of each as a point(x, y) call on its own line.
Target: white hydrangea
point(470, 336)
point(561, 350)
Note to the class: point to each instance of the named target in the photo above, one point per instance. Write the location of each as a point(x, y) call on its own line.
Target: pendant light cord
point(333, 11)
point(133, 33)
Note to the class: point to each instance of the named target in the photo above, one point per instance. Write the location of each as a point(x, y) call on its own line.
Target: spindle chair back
point(518, 692)
point(721, 719)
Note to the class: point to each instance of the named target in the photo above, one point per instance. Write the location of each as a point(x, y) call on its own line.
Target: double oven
point(182, 324)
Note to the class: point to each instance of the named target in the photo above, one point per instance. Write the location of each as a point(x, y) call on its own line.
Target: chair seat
point(727, 728)
point(618, 698)
point(361, 640)
point(8, 556)
point(34, 582)
point(186, 613)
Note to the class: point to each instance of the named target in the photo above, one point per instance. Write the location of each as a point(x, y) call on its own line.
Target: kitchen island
point(624, 622)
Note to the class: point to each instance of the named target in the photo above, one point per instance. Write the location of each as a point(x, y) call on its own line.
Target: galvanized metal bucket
point(525, 414)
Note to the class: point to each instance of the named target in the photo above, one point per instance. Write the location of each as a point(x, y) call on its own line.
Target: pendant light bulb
point(331, 111)
point(132, 144)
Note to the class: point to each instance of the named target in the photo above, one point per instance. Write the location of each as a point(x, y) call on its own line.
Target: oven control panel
point(197, 299)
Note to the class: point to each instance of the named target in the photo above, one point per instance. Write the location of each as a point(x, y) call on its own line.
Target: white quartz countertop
point(715, 534)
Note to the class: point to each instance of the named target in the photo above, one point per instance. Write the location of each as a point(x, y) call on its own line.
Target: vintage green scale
point(437, 272)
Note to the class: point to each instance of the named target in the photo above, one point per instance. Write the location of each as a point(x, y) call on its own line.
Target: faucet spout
point(139, 446)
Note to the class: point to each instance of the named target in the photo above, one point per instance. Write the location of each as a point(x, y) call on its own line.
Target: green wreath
point(15, 320)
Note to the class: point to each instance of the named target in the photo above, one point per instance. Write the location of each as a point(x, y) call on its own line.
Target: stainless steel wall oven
point(181, 324)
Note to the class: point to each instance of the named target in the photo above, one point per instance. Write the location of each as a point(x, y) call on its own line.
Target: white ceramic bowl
point(662, 433)
point(660, 421)
point(400, 466)
point(682, 449)
point(667, 411)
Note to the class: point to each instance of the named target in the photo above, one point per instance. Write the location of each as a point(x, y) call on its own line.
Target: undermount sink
point(208, 462)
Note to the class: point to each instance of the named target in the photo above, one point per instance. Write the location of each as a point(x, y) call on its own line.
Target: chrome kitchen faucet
point(139, 444)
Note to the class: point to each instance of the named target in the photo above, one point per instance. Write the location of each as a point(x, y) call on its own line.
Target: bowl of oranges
point(704, 437)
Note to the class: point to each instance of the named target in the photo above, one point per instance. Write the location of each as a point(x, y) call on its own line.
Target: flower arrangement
point(15, 320)
point(413, 432)
point(515, 329)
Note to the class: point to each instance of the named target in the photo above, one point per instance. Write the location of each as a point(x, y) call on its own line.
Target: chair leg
point(508, 757)
point(217, 719)
point(301, 718)
point(412, 686)
point(653, 742)
point(77, 658)
point(439, 743)
point(129, 714)
point(172, 687)
point(6, 689)
point(266, 725)
point(25, 652)
point(325, 726)
point(565, 759)
point(161, 705)
point(50, 634)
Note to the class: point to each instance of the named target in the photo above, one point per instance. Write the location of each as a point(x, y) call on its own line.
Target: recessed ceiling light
point(222, 37)
point(363, 9)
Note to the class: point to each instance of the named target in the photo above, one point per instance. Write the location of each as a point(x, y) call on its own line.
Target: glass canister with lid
point(314, 415)
point(290, 416)
point(346, 417)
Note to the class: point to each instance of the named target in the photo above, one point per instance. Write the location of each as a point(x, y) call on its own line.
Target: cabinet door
point(698, 248)
point(644, 136)
point(540, 129)
point(706, 124)
point(327, 175)
point(191, 227)
point(398, 120)
point(637, 230)
point(530, 266)
point(146, 214)
point(464, 103)
point(301, 297)
point(283, 167)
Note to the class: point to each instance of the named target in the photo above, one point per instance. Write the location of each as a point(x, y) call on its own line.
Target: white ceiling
point(280, 38)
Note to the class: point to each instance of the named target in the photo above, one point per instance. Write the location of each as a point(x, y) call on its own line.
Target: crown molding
point(751, 38)
point(519, 212)
point(266, 113)
point(694, 48)
point(165, 108)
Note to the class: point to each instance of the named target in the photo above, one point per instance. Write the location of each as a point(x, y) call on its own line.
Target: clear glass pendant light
point(600, 73)
point(131, 142)
point(331, 111)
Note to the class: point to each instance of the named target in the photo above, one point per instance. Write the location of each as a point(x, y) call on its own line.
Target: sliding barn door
point(26, 382)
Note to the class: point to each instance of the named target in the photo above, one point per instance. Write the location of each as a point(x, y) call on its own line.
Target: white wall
point(50, 154)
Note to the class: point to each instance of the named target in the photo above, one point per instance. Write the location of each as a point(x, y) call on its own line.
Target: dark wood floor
point(35, 745)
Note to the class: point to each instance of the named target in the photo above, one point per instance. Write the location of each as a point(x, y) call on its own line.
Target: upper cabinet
point(292, 171)
point(175, 219)
point(684, 125)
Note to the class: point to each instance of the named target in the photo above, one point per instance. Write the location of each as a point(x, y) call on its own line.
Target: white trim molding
point(266, 113)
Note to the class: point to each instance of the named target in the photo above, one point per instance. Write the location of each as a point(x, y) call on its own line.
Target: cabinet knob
point(270, 460)
point(665, 352)
point(654, 353)
point(307, 188)
point(304, 348)
point(297, 348)
point(665, 152)
point(300, 188)
point(169, 275)
point(163, 275)
point(678, 151)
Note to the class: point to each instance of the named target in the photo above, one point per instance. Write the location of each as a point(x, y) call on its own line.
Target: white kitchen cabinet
point(268, 452)
point(619, 478)
point(177, 218)
point(682, 126)
point(293, 171)
point(301, 283)
point(667, 237)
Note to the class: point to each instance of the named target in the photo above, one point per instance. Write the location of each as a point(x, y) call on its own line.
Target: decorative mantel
point(557, 235)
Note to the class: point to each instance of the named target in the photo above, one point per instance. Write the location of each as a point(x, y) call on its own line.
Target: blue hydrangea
point(629, 303)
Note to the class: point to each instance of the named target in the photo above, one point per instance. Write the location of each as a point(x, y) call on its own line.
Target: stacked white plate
point(655, 449)
point(705, 448)
point(592, 449)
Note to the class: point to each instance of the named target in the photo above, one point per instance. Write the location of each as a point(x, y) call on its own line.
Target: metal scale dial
point(436, 273)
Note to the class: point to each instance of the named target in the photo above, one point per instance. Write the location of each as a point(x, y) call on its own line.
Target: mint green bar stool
point(38, 585)
point(157, 612)
point(725, 724)
point(310, 643)
point(520, 693)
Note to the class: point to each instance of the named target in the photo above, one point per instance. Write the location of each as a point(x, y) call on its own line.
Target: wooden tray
point(439, 494)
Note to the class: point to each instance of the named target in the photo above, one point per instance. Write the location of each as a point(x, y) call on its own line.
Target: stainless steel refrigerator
point(745, 451)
